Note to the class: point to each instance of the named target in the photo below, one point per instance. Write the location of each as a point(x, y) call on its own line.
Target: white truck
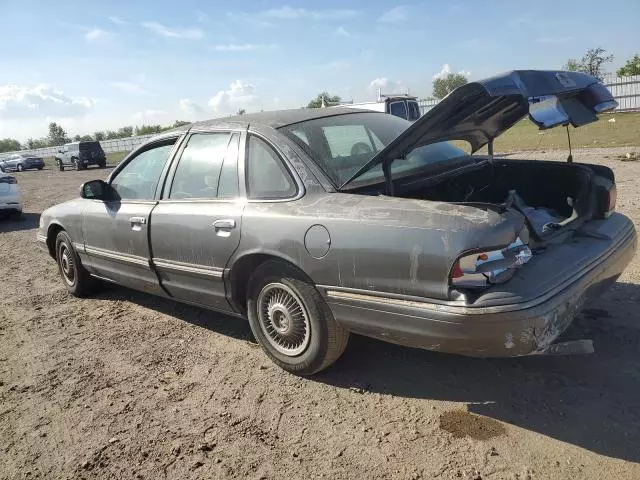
point(401, 105)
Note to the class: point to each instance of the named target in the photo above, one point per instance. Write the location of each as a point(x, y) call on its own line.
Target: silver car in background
point(10, 197)
point(20, 162)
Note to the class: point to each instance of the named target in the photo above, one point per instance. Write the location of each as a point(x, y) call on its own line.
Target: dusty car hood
point(480, 111)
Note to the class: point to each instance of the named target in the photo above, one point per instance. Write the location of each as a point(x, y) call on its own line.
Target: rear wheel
point(40, 168)
point(76, 164)
point(291, 320)
point(75, 277)
point(60, 166)
point(103, 165)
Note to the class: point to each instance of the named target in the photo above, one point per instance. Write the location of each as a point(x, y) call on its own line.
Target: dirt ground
point(125, 385)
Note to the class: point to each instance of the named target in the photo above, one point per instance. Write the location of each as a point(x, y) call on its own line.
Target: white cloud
point(149, 115)
point(96, 35)
point(162, 30)
point(247, 47)
point(40, 101)
point(117, 20)
point(239, 94)
point(290, 13)
point(398, 14)
point(190, 108)
point(384, 85)
point(342, 32)
point(446, 70)
point(130, 87)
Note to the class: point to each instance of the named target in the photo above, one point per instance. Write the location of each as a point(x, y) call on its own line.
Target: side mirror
point(96, 190)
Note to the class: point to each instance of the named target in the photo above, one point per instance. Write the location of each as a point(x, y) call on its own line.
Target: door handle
point(137, 223)
point(227, 223)
point(223, 227)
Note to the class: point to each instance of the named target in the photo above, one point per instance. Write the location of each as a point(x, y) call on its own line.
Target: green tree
point(242, 111)
point(443, 86)
point(86, 138)
point(328, 100)
point(9, 145)
point(98, 136)
point(632, 67)
point(125, 132)
point(57, 135)
point(592, 62)
point(77, 138)
point(147, 129)
point(33, 143)
point(179, 123)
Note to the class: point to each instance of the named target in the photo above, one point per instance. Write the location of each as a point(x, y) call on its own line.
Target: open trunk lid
point(480, 111)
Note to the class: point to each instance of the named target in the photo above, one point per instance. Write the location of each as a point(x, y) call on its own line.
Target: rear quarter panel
point(382, 244)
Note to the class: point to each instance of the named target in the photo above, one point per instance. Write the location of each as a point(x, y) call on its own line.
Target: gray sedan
point(316, 223)
point(21, 161)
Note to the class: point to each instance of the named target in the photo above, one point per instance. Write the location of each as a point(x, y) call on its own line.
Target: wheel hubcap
point(283, 319)
point(66, 265)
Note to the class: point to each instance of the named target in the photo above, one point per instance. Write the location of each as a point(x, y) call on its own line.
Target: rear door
point(196, 225)
point(116, 233)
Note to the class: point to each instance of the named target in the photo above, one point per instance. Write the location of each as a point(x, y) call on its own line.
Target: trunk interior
point(550, 194)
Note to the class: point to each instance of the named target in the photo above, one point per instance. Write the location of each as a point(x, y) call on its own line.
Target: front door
point(196, 225)
point(116, 233)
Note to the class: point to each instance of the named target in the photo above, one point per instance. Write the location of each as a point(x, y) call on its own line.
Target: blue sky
point(93, 65)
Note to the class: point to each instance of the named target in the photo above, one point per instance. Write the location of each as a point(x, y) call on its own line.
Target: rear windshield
point(90, 147)
point(342, 144)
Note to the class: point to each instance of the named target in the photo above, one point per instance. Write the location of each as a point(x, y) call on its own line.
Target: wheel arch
point(53, 230)
point(241, 270)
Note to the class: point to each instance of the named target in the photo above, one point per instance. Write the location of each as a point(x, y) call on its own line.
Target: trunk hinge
point(570, 157)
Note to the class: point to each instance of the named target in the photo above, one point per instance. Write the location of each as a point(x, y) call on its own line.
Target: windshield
point(343, 144)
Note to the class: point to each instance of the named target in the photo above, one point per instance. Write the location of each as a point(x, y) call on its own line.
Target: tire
point(316, 343)
point(75, 277)
point(103, 165)
point(20, 168)
point(40, 168)
point(76, 164)
point(60, 165)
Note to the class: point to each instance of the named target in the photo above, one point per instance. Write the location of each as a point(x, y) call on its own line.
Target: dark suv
point(80, 155)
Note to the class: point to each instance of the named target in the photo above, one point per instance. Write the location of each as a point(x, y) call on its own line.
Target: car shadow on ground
point(216, 322)
point(26, 221)
point(590, 401)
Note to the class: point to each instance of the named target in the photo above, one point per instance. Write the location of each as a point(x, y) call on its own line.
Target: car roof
point(279, 118)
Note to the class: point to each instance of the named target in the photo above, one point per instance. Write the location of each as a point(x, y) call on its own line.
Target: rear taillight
point(9, 180)
point(481, 269)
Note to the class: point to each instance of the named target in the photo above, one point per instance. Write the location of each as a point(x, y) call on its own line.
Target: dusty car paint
point(382, 263)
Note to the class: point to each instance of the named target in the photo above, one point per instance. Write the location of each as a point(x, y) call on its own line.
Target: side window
point(199, 167)
point(267, 177)
point(139, 178)
point(399, 109)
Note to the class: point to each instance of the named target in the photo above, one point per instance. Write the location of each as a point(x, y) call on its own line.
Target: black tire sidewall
point(313, 357)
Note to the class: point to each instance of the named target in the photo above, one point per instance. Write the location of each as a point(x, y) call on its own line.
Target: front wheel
point(291, 321)
point(20, 167)
point(75, 277)
point(40, 168)
point(60, 166)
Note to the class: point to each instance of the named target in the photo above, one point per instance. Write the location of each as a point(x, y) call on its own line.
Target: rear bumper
point(511, 329)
